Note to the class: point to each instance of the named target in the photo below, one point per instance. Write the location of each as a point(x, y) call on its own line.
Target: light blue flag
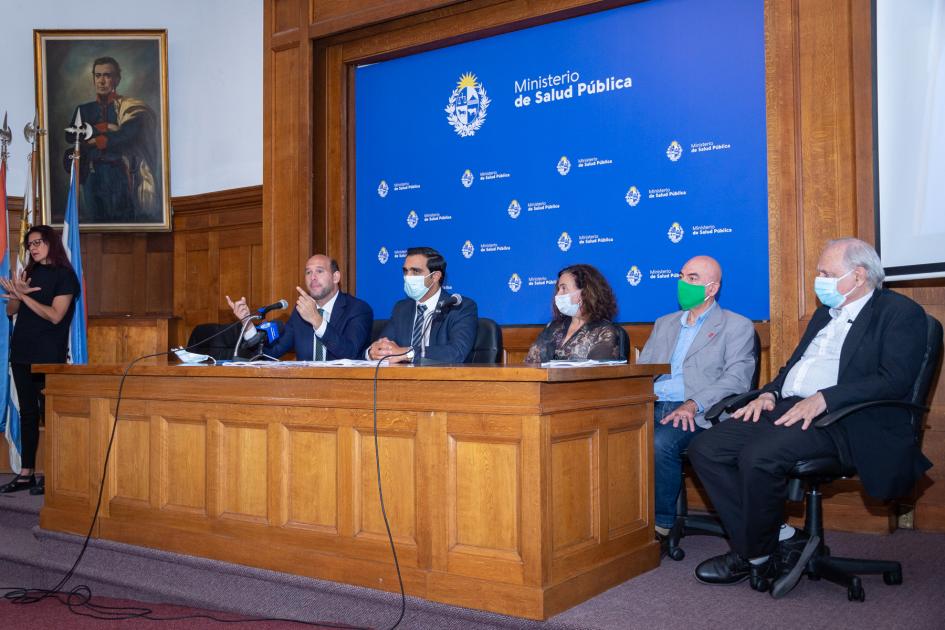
point(10, 417)
point(78, 339)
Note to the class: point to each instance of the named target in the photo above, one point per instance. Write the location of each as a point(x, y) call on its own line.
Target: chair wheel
point(855, 592)
point(892, 578)
point(677, 554)
point(759, 584)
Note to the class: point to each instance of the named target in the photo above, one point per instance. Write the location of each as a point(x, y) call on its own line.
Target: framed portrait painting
point(102, 98)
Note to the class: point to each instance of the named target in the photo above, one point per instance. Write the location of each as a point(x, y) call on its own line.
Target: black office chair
point(623, 342)
point(214, 340)
point(687, 524)
point(488, 345)
point(815, 559)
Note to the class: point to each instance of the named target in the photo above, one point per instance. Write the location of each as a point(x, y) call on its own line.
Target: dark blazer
point(452, 331)
point(879, 360)
point(346, 336)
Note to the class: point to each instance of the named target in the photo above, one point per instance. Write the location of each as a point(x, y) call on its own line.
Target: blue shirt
point(672, 387)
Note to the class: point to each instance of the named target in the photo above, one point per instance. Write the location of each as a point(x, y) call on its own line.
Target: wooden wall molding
point(217, 252)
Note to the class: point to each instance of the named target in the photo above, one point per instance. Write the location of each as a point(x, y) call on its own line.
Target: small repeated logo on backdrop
point(564, 242)
point(634, 276)
point(467, 178)
point(383, 256)
point(412, 219)
point(468, 249)
point(633, 196)
point(466, 109)
point(515, 283)
point(564, 166)
point(674, 151)
point(382, 189)
point(675, 232)
point(515, 209)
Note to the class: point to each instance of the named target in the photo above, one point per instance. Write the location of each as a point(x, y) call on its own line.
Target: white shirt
point(819, 367)
point(326, 317)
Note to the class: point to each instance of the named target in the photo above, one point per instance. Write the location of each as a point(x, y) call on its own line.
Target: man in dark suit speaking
point(326, 324)
point(429, 324)
point(865, 343)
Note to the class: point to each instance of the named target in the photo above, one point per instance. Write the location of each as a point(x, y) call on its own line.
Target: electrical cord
point(78, 600)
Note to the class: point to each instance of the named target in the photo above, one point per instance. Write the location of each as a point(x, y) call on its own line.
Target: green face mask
point(689, 295)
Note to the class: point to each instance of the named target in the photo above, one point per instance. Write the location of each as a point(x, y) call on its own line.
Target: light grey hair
point(857, 253)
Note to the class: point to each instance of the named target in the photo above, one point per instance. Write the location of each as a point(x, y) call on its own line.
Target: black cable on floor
point(78, 600)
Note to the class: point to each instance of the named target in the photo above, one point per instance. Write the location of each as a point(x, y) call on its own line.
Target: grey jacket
point(720, 360)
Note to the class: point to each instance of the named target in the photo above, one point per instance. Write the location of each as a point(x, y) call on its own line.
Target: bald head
point(704, 270)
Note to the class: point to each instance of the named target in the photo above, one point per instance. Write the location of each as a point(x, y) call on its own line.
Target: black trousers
point(29, 389)
point(743, 467)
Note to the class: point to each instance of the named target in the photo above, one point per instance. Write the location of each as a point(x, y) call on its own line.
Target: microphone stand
point(249, 319)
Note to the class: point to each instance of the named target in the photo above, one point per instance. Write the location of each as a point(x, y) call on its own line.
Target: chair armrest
point(843, 412)
point(730, 404)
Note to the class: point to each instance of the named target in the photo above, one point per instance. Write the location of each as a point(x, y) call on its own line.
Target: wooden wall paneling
point(828, 194)
point(287, 144)
point(218, 252)
point(126, 273)
point(781, 52)
point(332, 16)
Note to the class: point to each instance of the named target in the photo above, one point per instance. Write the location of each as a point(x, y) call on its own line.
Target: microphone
point(273, 307)
point(454, 300)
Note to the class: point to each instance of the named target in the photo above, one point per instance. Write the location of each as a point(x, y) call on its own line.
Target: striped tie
point(319, 346)
point(416, 339)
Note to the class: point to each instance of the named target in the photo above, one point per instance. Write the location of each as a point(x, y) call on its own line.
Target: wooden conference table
point(519, 490)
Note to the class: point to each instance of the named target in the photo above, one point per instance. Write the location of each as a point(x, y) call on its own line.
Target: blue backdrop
point(630, 139)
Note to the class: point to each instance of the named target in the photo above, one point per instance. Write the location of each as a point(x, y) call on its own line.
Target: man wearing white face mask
point(865, 343)
point(710, 352)
point(429, 325)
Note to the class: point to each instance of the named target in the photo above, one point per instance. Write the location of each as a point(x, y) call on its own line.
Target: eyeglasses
point(35, 242)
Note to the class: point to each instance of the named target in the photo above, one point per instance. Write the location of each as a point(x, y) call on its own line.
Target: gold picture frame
point(118, 80)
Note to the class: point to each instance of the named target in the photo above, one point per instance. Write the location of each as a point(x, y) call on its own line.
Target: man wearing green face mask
point(710, 350)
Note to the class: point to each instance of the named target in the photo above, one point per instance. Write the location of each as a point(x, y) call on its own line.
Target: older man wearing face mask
point(865, 343)
point(710, 351)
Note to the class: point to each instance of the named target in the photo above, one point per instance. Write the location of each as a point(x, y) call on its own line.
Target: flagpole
point(9, 416)
point(78, 338)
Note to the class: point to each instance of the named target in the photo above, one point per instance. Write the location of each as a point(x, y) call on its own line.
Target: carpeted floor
point(665, 598)
point(107, 613)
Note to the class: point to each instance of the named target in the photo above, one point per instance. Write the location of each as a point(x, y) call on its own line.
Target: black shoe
point(729, 568)
point(20, 482)
point(765, 573)
point(663, 540)
point(39, 488)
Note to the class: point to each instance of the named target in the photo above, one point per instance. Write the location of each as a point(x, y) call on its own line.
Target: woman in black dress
point(583, 306)
point(43, 300)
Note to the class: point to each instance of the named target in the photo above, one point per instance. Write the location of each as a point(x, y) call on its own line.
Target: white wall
point(215, 81)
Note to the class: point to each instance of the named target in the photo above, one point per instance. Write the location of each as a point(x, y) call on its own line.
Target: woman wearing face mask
point(43, 299)
point(581, 329)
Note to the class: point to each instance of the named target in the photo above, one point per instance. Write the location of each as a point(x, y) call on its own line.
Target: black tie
point(416, 339)
point(319, 346)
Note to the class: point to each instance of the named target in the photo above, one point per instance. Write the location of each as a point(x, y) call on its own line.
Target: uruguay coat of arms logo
point(466, 110)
